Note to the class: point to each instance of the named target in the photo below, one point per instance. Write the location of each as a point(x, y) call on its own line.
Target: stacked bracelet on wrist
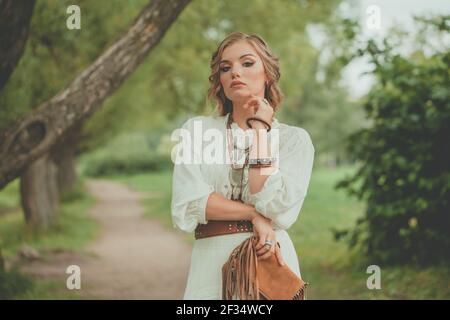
point(261, 162)
point(268, 126)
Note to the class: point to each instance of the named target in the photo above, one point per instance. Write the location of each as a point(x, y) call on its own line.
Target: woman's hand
point(263, 228)
point(260, 108)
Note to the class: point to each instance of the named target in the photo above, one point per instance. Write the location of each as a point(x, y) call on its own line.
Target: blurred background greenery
point(397, 130)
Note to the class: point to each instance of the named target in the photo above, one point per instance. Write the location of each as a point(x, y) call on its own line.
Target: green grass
point(72, 232)
point(14, 285)
point(333, 271)
point(9, 197)
point(158, 185)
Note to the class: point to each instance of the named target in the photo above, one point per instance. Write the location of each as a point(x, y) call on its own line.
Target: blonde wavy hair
point(272, 91)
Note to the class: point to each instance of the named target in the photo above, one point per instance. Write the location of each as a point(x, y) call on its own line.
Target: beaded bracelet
point(269, 127)
point(261, 162)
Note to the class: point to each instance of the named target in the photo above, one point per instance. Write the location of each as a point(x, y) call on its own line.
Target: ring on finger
point(268, 243)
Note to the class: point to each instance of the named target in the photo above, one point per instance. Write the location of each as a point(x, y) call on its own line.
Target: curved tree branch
point(15, 17)
point(34, 135)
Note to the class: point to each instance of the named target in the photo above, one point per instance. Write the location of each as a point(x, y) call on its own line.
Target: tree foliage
point(405, 160)
point(171, 84)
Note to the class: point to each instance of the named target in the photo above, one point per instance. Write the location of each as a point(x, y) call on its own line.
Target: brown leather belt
point(218, 228)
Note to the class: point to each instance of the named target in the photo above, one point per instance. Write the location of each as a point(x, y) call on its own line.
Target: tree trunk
point(33, 136)
point(67, 175)
point(15, 17)
point(39, 193)
point(63, 154)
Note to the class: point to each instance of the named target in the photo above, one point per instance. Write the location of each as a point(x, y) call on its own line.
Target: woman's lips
point(238, 85)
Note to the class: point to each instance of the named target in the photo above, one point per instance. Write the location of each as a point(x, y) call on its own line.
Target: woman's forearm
point(220, 208)
point(258, 176)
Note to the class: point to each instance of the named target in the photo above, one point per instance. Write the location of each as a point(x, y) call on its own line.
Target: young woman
point(259, 187)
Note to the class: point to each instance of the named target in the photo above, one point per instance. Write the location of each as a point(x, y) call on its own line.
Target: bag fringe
point(301, 293)
point(239, 273)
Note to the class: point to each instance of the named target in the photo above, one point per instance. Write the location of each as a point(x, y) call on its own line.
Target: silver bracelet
point(262, 161)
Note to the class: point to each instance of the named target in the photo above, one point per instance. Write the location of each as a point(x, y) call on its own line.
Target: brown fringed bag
point(246, 278)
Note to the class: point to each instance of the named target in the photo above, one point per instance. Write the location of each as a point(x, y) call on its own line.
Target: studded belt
point(218, 228)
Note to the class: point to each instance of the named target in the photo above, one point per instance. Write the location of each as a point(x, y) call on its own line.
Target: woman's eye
point(246, 64)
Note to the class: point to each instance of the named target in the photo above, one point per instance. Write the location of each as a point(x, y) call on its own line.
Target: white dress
point(280, 198)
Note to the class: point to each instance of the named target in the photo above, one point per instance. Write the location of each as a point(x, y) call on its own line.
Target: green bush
point(102, 166)
point(12, 284)
point(127, 154)
point(405, 171)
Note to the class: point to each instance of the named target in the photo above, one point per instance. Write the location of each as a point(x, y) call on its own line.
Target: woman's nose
point(235, 72)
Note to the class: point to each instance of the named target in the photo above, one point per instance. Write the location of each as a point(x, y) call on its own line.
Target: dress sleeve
point(282, 195)
point(190, 191)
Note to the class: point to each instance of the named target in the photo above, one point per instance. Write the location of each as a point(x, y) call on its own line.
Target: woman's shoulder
point(294, 134)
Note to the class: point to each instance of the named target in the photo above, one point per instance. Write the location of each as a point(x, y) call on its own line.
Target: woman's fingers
point(274, 250)
point(261, 240)
point(265, 239)
point(254, 102)
point(279, 256)
point(262, 250)
point(250, 102)
point(267, 253)
point(265, 249)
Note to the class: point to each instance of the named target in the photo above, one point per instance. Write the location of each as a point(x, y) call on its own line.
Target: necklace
point(237, 171)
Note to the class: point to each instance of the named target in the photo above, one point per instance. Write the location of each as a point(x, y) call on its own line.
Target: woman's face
point(240, 62)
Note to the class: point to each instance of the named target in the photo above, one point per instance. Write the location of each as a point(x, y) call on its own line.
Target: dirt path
point(133, 258)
